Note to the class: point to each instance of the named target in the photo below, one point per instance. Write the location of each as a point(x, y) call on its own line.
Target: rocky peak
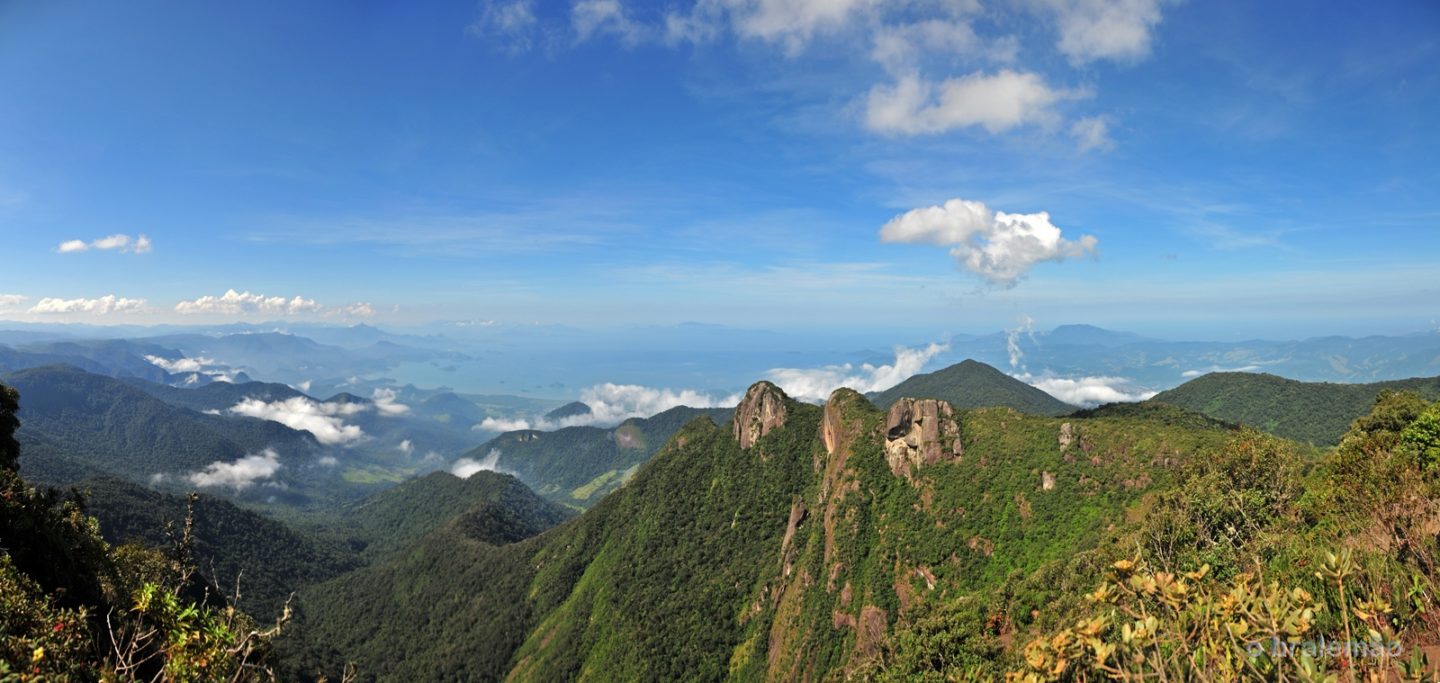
point(833, 427)
point(762, 410)
point(920, 432)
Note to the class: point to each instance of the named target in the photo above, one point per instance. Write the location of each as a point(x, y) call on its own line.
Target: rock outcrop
point(920, 432)
point(762, 410)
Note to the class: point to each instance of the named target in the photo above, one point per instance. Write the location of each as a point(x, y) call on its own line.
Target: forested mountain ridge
point(786, 543)
point(1315, 412)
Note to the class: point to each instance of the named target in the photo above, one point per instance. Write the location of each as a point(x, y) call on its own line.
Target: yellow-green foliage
point(1276, 606)
point(1150, 624)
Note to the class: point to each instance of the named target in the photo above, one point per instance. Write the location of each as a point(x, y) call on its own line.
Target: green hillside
point(972, 384)
point(78, 424)
point(1314, 412)
point(783, 546)
point(578, 466)
point(496, 507)
point(267, 558)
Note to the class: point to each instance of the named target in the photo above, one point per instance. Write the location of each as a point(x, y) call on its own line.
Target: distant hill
point(579, 465)
point(972, 384)
point(217, 395)
point(75, 423)
point(1315, 412)
point(570, 409)
point(496, 508)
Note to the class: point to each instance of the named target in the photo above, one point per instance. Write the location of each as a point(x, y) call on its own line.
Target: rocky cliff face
point(762, 410)
point(920, 432)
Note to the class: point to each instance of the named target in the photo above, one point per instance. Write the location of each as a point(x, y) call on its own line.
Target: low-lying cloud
point(1088, 391)
point(386, 404)
point(611, 404)
point(323, 420)
point(240, 474)
point(1215, 368)
point(197, 367)
point(816, 384)
point(466, 467)
point(999, 247)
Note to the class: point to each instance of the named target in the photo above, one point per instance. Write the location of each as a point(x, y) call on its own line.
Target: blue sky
point(1214, 170)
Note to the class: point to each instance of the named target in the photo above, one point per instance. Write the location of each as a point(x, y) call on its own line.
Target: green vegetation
point(72, 607)
point(972, 384)
point(570, 465)
point(783, 558)
point(1313, 412)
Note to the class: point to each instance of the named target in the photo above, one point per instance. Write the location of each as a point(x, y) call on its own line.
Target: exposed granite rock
point(762, 410)
point(1067, 436)
point(920, 432)
point(1047, 481)
point(833, 428)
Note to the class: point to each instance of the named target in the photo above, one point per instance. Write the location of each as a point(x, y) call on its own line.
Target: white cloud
point(1092, 133)
point(12, 300)
point(241, 474)
point(324, 420)
point(104, 305)
point(1216, 368)
point(511, 25)
point(598, 17)
point(243, 303)
point(1118, 30)
point(1025, 325)
point(406, 447)
point(385, 404)
point(996, 102)
point(816, 384)
point(122, 243)
point(900, 47)
point(329, 460)
point(611, 404)
point(466, 467)
point(505, 424)
point(998, 246)
point(199, 366)
point(1088, 391)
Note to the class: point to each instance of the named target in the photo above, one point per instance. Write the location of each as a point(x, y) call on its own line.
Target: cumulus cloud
point(1092, 133)
point(104, 305)
point(1000, 247)
point(406, 447)
point(385, 403)
point(996, 102)
point(329, 460)
point(12, 300)
point(1088, 391)
point(126, 244)
point(1091, 30)
point(466, 467)
point(240, 474)
point(323, 420)
point(243, 303)
point(816, 384)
